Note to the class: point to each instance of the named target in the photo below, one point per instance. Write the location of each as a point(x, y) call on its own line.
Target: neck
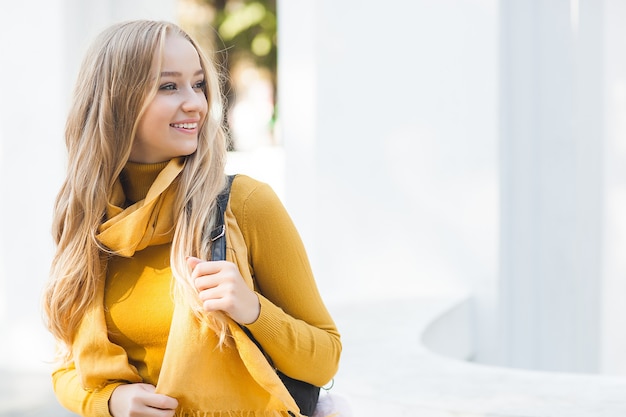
point(136, 179)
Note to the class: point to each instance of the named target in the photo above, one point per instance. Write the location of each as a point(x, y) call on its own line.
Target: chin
point(188, 152)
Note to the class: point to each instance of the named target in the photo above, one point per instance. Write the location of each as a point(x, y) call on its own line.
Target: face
point(169, 127)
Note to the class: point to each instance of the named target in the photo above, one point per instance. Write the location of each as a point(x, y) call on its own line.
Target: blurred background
point(424, 148)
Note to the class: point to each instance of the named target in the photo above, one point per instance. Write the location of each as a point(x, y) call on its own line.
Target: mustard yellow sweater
point(294, 327)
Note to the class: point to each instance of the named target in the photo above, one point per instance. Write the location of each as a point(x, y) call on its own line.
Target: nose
point(193, 101)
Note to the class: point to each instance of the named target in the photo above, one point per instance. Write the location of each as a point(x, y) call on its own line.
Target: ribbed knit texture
point(137, 178)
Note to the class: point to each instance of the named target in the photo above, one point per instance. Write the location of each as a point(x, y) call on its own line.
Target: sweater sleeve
point(294, 327)
point(71, 394)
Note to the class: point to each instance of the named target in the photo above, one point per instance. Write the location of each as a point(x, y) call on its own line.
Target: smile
point(185, 125)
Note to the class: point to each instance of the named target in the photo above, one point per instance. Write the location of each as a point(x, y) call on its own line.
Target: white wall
point(613, 308)
point(389, 119)
point(552, 197)
point(563, 183)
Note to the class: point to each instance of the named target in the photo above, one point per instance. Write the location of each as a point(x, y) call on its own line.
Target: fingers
point(140, 400)
point(206, 269)
point(162, 402)
point(147, 387)
point(209, 274)
point(192, 261)
point(221, 287)
point(215, 281)
point(218, 286)
point(200, 267)
point(159, 401)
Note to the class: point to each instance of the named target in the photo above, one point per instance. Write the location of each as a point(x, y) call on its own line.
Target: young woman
point(146, 323)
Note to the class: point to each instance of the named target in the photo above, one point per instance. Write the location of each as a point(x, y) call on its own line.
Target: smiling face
point(170, 125)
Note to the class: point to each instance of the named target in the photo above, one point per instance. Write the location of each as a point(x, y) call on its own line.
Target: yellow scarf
point(207, 381)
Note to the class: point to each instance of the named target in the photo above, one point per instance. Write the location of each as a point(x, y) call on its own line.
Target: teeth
point(185, 125)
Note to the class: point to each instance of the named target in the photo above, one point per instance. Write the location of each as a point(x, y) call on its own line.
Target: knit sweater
point(294, 327)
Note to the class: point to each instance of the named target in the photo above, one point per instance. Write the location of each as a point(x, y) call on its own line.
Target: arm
point(294, 327)
point(130, 399)
point(70, 393)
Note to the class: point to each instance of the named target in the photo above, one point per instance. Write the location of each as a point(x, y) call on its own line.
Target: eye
point(168, 87)
point(200, 85)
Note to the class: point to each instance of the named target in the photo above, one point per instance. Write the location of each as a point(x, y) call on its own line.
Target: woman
point(147, 326)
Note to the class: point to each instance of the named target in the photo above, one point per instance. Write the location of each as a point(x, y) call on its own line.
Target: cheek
point(141, 131)
point(151, 122)
point(160, 110)
point(204, 115)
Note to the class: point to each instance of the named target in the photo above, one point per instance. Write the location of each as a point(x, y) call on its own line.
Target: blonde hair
point(114, 87)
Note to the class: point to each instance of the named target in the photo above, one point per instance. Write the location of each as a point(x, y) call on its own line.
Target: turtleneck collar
point(137, 178)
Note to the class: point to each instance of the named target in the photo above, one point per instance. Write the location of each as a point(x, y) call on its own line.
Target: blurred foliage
point(247, 29)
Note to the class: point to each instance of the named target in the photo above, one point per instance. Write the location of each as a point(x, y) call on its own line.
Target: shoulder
point(243, 184)
point(249, 193)
point(259, 213)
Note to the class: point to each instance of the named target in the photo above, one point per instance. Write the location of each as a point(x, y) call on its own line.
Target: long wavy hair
point(114, 87)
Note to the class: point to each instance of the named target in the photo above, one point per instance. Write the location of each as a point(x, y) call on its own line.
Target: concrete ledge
point(387, 369)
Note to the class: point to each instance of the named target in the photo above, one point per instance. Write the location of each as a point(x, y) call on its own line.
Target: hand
point(140, 400)
point(222, 288)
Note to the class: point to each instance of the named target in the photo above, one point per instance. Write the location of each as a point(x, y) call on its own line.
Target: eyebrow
point(178, 74)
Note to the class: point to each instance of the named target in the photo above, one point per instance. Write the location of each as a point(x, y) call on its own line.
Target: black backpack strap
point(305, 394)
point(218, 235)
